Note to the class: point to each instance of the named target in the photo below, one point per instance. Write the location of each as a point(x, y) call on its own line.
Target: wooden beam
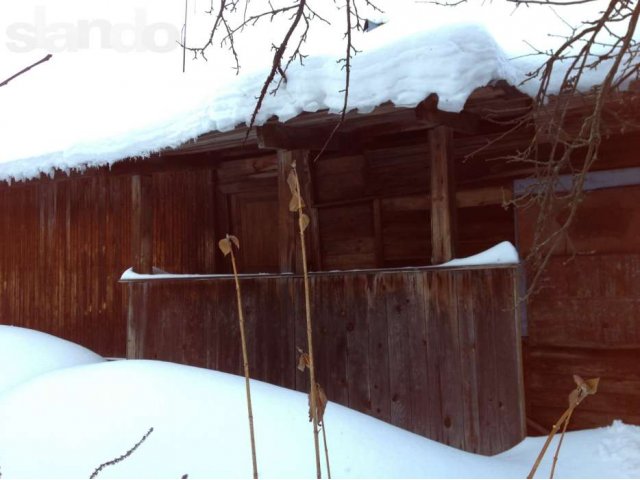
point(427, 113)
point(279, 136)
point(142, 223)
point(286, 226)
point(470, 197)
point(443, 204)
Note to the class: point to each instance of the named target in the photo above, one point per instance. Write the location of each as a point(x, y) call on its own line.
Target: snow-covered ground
point(66, 422)
point(25, 354)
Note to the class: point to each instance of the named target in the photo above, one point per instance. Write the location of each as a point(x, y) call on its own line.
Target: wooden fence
point(435, 351)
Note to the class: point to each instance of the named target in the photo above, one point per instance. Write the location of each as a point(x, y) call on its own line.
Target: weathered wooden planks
point(63, 247)
point(584, 320)
point(443, 197)
point(599, 297)
point(65, 242)
point(548, 377)
point(142, 223)
point(435, 351)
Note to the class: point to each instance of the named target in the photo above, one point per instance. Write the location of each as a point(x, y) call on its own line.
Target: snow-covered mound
point(25, 354)
point(502, 253)
point(66, 423)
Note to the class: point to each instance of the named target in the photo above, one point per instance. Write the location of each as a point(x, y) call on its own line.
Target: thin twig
point(25, 70)
point(122, 457)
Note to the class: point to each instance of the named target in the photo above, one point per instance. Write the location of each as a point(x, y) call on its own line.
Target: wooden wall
point(434, 351)
point(585, 318)
point(63, 246)
point(373, 211)
point(66, 241)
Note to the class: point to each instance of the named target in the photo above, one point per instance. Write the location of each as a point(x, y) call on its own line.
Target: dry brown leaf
point(225, 246)
point(235, 240)
point(592, 385)
point(584, 388)
point(293, 203)
point(304, 221)
point(321, 403)
point(303, 361)
point(321, 399)
point(293, 184)
point(574, 398)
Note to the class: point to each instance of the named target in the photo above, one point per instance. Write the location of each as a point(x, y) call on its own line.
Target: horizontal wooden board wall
point(584, 320)
point(373, 210)
point(433, 351)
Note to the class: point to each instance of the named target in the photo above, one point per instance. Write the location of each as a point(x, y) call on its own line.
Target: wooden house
point(436, 350)
point(445, 350)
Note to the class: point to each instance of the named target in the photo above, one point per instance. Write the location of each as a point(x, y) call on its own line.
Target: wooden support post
point(443, 197)
point(305, 172)
point(142, 223)
point(286, 226)
point(290, 256)
point(142, 258)
point(137, 319)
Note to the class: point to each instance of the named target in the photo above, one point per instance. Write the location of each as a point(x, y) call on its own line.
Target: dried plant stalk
point(326, 448)
point(583, 389)
point(226, 246)
point(303, 222)
point(555, 456)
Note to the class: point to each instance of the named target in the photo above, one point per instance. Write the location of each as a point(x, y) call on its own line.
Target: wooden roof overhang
point(426, 126)
point(387, 126)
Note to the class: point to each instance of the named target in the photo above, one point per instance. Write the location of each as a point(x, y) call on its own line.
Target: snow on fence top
point(92, 108)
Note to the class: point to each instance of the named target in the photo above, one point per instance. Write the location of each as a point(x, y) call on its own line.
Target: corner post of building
point(443, 196)
point(142, 261)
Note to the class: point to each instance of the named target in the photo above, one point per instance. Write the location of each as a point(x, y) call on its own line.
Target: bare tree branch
point(25, 70)
point(290, 47)
point(574, 148)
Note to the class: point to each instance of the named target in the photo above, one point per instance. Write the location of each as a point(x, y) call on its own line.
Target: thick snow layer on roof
point(25, 354)
point(93, 105)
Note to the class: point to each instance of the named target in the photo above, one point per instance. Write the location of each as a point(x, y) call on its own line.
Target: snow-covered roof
point(92, 106)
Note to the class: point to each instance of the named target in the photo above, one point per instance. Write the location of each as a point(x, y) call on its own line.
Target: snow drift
point(25, 354)
point(65, 423)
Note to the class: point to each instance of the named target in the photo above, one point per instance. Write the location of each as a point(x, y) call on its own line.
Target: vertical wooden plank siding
point(435, 351)
point(64, 244)
point(142, 223)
